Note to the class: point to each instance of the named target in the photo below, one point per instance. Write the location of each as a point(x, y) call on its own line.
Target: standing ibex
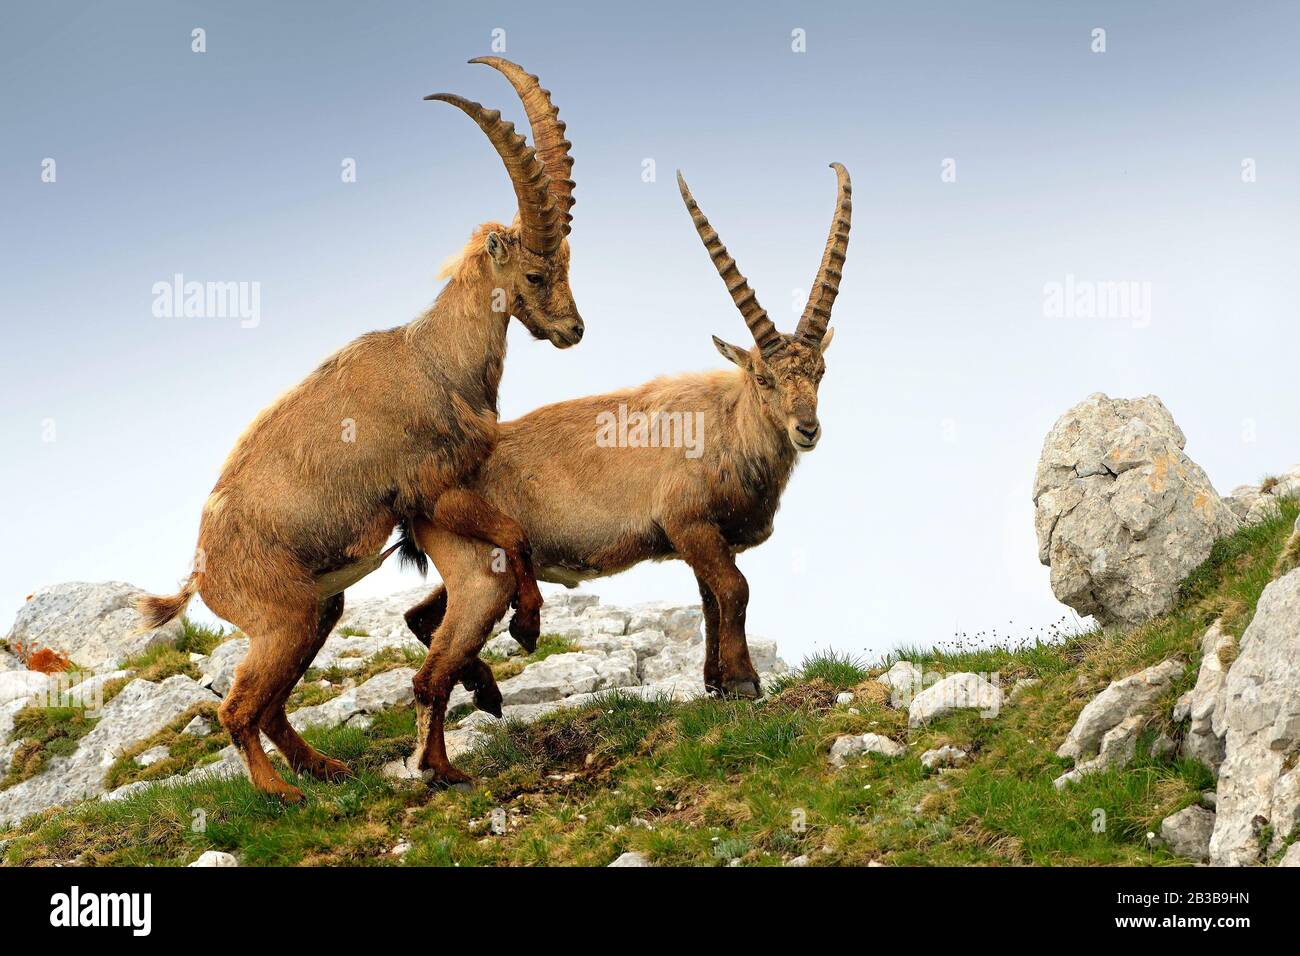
point(590, 510)
point(390, 427)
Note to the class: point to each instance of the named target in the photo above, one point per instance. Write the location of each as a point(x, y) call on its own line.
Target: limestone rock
point(563, 675)
point(20, 685)
point(1122, 514)
point(137, 713)
point(215, 858)
point(219, 668)
point(852, 745)
point(945, 756)
point(1259, 782)
point(632, 858)
point(1115, 750)
point(963, 691)
point(1202, 742)
point(1135, 694)
point(1187, 832)
point(93, 624)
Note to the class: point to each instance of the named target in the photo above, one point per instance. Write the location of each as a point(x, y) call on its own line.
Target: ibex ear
point(826, 340)
point(732, 353)
point(496, 247)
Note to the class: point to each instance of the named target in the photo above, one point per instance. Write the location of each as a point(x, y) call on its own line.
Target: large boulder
point(93, 624)
point(1259, 779)
point(1122, 514)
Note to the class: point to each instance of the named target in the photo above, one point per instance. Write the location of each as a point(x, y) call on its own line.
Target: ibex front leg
point(727, 666)
point(466, 514)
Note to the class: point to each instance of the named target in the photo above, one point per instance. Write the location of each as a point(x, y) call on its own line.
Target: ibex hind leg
point(279, 636)
point(476, 677)
point(302, 757)
point(476, 599)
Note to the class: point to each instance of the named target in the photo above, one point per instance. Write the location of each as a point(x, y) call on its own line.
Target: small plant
point(840, 669)
point(198, 638)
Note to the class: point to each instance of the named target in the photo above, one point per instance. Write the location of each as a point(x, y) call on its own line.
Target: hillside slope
point(713, 782)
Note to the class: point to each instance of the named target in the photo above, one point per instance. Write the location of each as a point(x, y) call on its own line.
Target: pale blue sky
point(912, 519)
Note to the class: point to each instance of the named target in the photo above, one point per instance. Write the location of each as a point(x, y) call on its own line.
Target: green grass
point(198, 638)
point(43, 732)
point(709, 782)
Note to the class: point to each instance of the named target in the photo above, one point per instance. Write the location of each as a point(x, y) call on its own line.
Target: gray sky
point(912, 519)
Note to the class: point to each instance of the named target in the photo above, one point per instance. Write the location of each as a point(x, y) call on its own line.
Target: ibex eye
point(764, 382)
point(535, 278)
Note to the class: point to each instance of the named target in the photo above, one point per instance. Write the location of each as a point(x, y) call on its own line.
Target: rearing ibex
point(590, 509)
point(388, 428)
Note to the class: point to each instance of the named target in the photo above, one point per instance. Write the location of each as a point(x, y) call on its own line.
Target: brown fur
point(296, 501)
point(591, 511)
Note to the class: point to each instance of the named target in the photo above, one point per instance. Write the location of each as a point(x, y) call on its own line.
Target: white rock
point(198, 727)
point(1187, 832)
point(563, 675)
point(387, 689)
point(843, 699)
point(19, 685)
point(1135, 694)
point(93, 624)
point(904, 681)
point(137, 713)
point(215, 858)
point(503, 645)
point(798, 861)
point(1291, 857)
point(151, 756)
point(1122, 514)
point(945, 756)
point(1201, 742)
point(1116, 749)
point(219, 668)
point(89, 693)
point(1261, 719)
point(632, 858)
point(852, 745)
point(963, 691)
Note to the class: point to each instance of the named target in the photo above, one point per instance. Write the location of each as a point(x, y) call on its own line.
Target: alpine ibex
point(591, 510)
point(388, 428)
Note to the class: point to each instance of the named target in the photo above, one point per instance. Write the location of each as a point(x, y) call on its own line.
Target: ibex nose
point(576, 330)
point(808, 428)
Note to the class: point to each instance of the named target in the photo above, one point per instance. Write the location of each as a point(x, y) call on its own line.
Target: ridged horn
point(760, 326)
point(817, 313)
point(548, 131)
point(539, 216)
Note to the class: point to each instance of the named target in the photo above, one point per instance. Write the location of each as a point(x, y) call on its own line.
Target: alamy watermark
point(659, 429)
point(179, 298)
point(1075, 298)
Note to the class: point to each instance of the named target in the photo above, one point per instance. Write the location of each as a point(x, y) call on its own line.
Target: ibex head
point(785, 369)
point(530, 259)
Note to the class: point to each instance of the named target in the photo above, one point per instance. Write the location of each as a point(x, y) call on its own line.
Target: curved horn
point(538, 216)
point(765, 334)
point(817, 313)
point(548, 131)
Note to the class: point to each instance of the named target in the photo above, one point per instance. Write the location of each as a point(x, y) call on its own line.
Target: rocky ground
point(1169, 735)
point(655, 651)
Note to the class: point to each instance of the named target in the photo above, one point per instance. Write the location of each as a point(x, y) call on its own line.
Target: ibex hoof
point(488, 700)
point(526, 627)
point(745, 689)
